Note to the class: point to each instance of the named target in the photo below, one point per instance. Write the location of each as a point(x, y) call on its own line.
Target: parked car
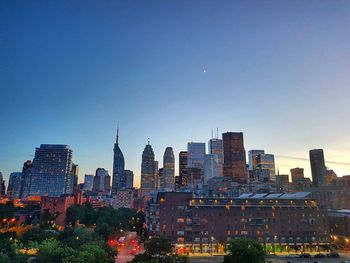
point(305, 255)
point(333, 255)
point(320, 255)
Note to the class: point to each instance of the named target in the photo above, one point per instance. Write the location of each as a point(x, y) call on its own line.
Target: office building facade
point(168, 169)
point(195, 159)
point(14, 186)
point(216, 147)
point(149, 170)
point(118, 180)
point(318, 167)
point(211, 166)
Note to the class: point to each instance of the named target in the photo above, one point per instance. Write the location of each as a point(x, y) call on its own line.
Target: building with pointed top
point(149, 170)
point(118, 179)
point(168, 169)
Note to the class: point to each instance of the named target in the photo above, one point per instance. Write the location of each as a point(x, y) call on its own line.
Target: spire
point(148, 141)
point(117, 138)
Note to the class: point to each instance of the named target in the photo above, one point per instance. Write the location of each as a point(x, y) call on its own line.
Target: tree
point(244, 251)
point(158, 246)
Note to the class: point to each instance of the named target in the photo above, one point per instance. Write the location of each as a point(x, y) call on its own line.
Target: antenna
point(117, 138)
point(148, 141)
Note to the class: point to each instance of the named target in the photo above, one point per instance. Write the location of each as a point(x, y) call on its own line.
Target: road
point(124, 253)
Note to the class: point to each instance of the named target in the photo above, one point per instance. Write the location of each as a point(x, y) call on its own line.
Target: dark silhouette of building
point(296, 173)
point(75, 173)
point(318, 167)
point(129, 178)
point(118, 181)
point(14, 186)
point(183, 169)
point(26, 179)
point(234, 156)
point(102, 181)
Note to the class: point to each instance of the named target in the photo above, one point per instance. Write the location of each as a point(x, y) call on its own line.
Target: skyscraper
point(75, 173)
point(14, 186)
point(169, 169)
point(118, 181)
point(51, 171)
point(234, 156)
point(297, 173)
point(129, 178)
point(149, 170)
point(266, 162)
point(216, 147)
point(102, 181)
point(211, 166)
point(26, 179)
point(2, 185)
point(88, 182)
point(252, 154)
point(318, 167)
point(183, 171)
point(195, 158)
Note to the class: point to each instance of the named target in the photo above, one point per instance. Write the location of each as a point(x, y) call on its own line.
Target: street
point(124, 253)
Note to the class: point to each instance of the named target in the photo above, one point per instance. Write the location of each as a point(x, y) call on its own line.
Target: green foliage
point(244, 251)
point(37, 234)
point(4, 258)
point(77, 236)
point(158, 246)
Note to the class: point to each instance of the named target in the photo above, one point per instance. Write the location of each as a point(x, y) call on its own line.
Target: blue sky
point(170, 71)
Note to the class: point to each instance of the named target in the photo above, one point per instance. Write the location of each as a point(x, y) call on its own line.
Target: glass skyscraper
point(52, 171)
point(318, 167)
point(118, 181)
point(195, 159)
point(149, 170)
point(168, 169)
point(211, 166)
point(14, 187)
point(216, 147)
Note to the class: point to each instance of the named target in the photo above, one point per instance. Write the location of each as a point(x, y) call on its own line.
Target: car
point(133, 251)
point(305, 255)
point(292, 256)
point(320, 255)
point(333, 255)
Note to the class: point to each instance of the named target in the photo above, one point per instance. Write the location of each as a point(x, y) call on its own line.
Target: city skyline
point(278, 72)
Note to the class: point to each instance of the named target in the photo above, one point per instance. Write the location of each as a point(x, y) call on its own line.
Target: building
point(160, 182)
point(168, 169)
point(52, 171)
point(330, 177)
point(280, 222)
point(195, 159)
point(183, 168)
point(75, 172)
point(177, 183)
point(297, 173)
point(14, 186)
point(149, 170)
point(318, 167)
point(266, 162)
point(282, 182)
point(302, 184)
point(118, 181)
point(234, 156)
point(129, 178)
point(26, 179)
point(88, 182)
point(216, 147)
point(211, 166)
point(252, 154)
point(2, 185)
point(124, 199)
point(339, 221)
point(102, 182)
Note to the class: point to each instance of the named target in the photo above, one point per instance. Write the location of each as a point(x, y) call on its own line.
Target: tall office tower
point(160, 181)
point(75, 173)
point(195, 159)
point(2, 185)
point(183, 172)
point(51, 171)
point(216, 147)
point(102, 181)
point(177, 183)
point(149, 171)
point(282, 182)
point(318, 167)
point(88, 182)
point(211, 166)
point(14, 186)
point(26, 179)
point(266, 162)
point(297, 173)
point(234, 157)
point(129, 178)
point(169, 169)
point(118, 181)
point(252, 154)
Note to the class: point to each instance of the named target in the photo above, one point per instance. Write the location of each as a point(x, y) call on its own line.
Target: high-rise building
point(129, 178)
point(160, 181)
point(88, 182)
point(177, 183)
point(2, 185)
point(195, 158)
point(149, 170)
point(211, 166)
point(169, 169)
point(297, 173)
point(252, 154)
point(102, 181)
point(183, 171)
point(75, 172)
point(216, 147)
point(26, 179)
point(118, 181)
point(282, 182)
point(234, 157)
point(318, 167)
point(266, 162)
point(51, 171)
point(14, 186)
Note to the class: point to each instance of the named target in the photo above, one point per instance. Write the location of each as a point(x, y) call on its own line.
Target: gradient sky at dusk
point(170, 71)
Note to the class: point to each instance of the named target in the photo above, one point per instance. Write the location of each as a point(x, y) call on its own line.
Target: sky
point(170, 71)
